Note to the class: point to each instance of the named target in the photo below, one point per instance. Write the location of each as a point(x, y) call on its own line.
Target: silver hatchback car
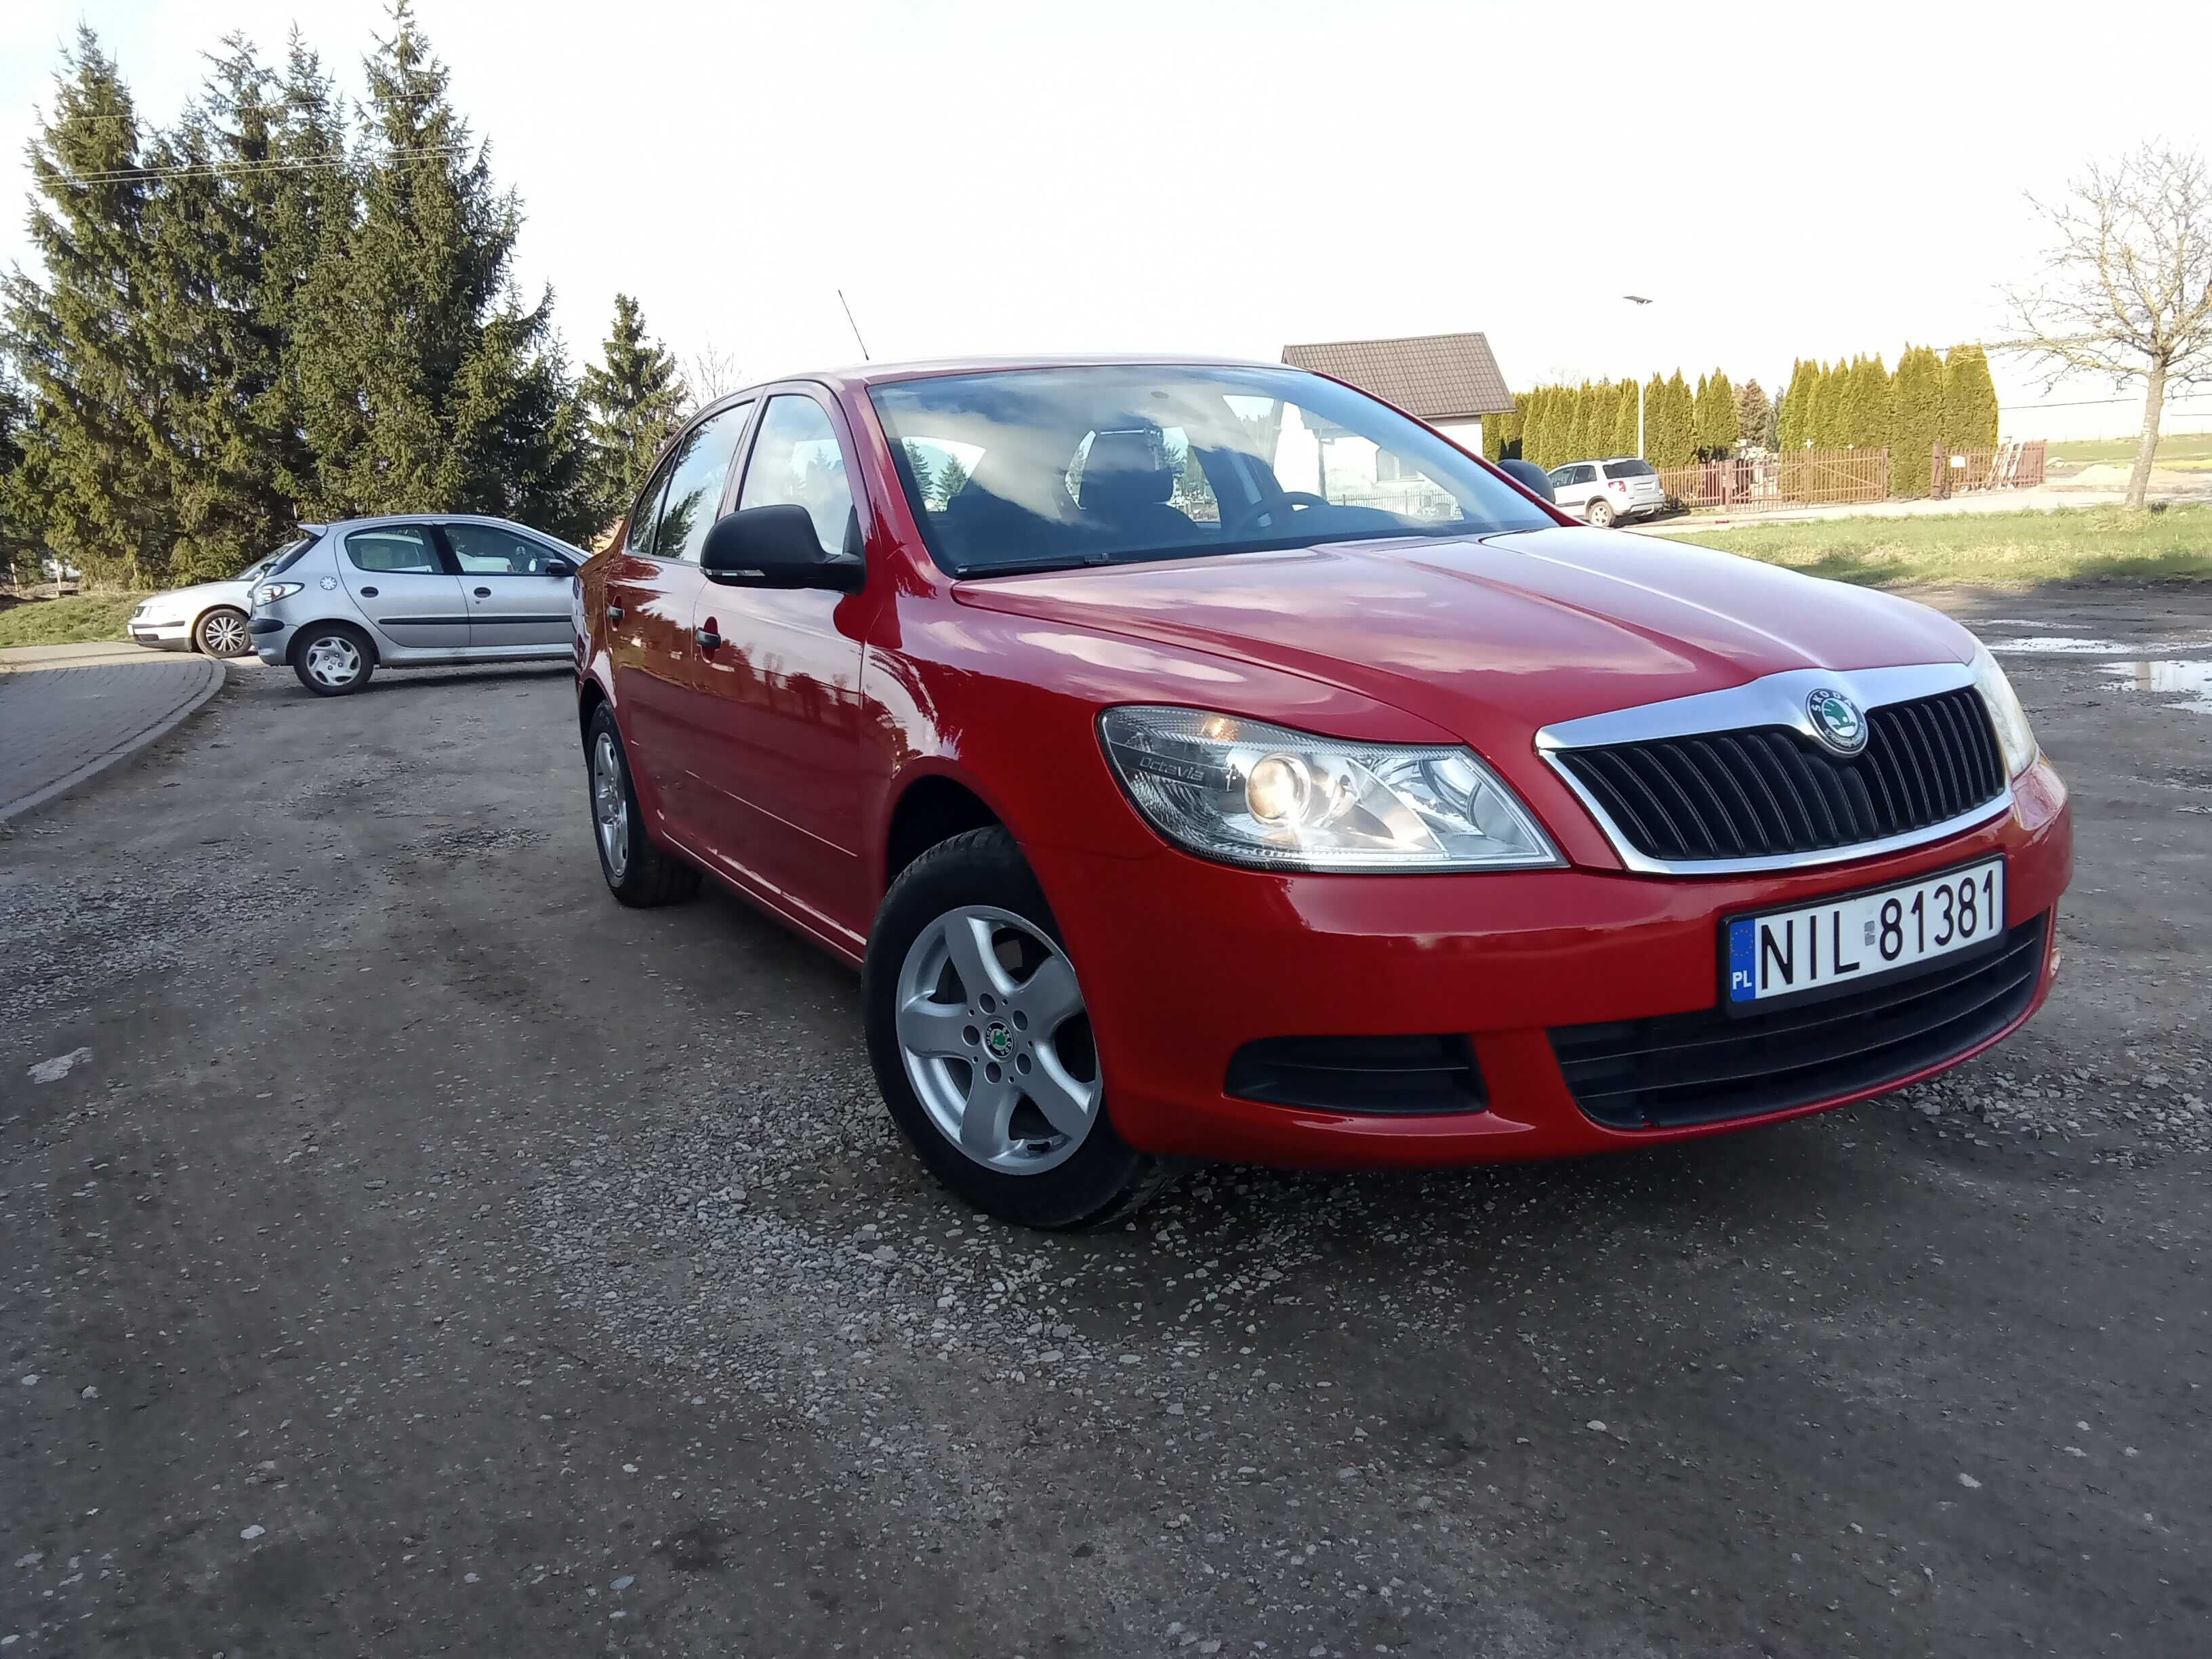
point(414, 590)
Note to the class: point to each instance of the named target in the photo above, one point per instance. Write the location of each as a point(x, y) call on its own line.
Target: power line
point(118, 175)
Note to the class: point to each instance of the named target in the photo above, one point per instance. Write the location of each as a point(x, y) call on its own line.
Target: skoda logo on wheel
point(998, 1039)
point(1837, 720)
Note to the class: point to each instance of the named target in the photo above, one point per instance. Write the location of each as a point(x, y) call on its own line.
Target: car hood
point(229, 588)
point(1492, 638)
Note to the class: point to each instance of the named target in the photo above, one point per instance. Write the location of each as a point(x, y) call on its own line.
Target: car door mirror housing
point(560, 567)
point(1530, 476)
point(775, 547)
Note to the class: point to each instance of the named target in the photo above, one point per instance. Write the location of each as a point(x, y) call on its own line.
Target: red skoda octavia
point(1208, 760)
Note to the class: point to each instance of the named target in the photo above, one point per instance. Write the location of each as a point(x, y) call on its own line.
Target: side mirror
point(775, 547)
point(559, 567)
point(1531, 477)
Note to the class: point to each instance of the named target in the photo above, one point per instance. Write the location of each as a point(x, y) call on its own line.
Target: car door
point(652, 589)
point(399, 581)
point(515, 586)
point(1573, 485)
point(782, 784)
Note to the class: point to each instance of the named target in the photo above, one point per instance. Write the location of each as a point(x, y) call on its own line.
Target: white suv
point(1608, 492)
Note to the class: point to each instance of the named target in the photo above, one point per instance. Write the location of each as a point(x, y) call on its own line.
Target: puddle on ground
point(2191, 680)
point(2065, 645)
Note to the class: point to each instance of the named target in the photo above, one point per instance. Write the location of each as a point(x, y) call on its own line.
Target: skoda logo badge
point(1837, 720)
point(998, 1039)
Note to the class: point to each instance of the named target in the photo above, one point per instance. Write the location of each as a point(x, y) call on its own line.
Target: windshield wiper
point(1032, 567)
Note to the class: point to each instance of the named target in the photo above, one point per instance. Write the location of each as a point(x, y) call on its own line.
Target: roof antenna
point(854, 327)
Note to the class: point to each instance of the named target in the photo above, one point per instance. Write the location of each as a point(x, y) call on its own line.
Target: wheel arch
point(306, 630)
point(932, 806)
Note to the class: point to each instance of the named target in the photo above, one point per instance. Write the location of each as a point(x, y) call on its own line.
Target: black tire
point(650, 875)
point(222, 633)
point(304, 643)
point(1599, 513)
point(1105, 1179)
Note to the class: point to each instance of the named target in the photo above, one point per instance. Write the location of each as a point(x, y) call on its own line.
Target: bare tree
point(710, 374)
point(2128, 287)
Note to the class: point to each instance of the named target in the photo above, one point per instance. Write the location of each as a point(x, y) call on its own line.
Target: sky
point(1226, 177)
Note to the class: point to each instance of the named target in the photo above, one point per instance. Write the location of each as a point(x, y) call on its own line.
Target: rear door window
point(394, 550)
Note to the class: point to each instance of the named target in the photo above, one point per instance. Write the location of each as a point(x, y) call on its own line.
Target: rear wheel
point(333, 658)
point(640, 872)
point(222, 633)
point(982, 1044)
point(1600, 513)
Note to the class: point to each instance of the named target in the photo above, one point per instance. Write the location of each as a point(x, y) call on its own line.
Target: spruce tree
point(1916, 421)
point(1970, 401)
point(1755, 416)
point(83, 338)
point(429, 384)
point(634, 400)
point(21, 539)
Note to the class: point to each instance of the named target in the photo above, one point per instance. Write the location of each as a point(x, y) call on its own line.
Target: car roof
point(428, 518)
point(861, 375)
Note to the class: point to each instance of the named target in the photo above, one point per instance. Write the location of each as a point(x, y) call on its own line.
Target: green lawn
point(1987, 549)
point(88, 619)
point(2185, 452)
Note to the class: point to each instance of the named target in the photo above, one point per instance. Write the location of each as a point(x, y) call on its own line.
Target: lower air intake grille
point(1381, 1074)
point(1706, 1067)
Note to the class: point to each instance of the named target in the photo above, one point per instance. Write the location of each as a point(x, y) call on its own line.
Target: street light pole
point(1638, 300)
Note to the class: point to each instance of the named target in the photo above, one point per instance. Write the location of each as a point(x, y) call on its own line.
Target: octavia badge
point(1837, 720)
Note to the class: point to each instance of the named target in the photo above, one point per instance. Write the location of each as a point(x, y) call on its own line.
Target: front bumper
point(160, 635)
point(1183, 962)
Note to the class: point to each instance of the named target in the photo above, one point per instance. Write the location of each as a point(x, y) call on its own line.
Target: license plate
point(1861, 936)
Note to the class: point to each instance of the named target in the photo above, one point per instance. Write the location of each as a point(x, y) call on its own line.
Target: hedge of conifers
point(1933, 399)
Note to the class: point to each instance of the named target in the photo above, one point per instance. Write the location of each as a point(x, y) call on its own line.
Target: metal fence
point(1798, 478)
point(2009, 466)
point(1828, 478)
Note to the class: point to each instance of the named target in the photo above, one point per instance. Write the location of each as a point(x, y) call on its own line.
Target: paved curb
point(129, 746)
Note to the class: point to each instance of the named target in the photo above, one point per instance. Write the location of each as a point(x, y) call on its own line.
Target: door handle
point(708, 638)
point(483, 592)
point(615, 613)
point(368, 593)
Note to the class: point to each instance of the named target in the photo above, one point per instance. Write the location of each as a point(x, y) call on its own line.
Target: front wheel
point(1600, 513)
point(982, 1044)
point(222, 633)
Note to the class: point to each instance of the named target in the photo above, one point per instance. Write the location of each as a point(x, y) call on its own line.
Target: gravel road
point(404, 1248)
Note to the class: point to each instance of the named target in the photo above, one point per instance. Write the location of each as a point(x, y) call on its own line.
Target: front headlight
point(1252, 793)
point(2014, 735)
point(275, 591)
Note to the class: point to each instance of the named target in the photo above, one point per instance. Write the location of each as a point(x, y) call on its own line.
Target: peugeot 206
point(1208, 760)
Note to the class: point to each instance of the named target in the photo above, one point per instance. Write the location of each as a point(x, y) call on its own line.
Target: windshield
point(1629, 469)
point(1038, 469)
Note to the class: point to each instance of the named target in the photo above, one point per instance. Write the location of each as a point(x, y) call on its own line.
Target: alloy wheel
point(996, 1042)
point(334, 660)
point(611, 805)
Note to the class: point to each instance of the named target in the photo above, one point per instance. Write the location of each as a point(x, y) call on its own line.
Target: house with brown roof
point(1450, 380)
